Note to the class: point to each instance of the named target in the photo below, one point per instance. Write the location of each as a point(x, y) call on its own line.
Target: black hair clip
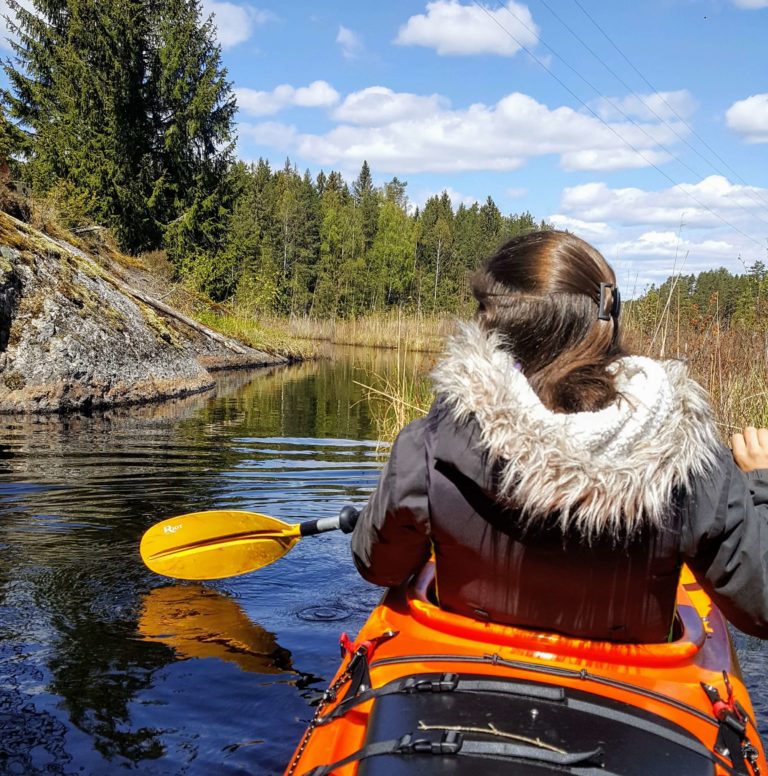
point(604, 315)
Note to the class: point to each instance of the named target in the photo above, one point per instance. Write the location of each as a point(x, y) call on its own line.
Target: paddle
point(212, 545)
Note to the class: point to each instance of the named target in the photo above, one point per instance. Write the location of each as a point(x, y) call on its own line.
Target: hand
point(750, 449)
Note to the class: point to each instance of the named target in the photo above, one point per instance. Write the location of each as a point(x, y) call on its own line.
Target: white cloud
point(515, 193)
point(380, 105)
point(648, 235)
point(749, 118)
point(234, 23)
point(457, 198)
point(673, 244)
point(271, 133)
point(452, 28)
point(750, 5)
point(642, 257)
point(406, 133)
point(663, 106)
point(350, 42)
point(692, 205)
point(587, 230)
point(319, 94)
point(619, 158)
point(653, 256)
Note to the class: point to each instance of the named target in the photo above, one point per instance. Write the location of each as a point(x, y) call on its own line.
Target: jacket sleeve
point(391, 540)
point(725, 542)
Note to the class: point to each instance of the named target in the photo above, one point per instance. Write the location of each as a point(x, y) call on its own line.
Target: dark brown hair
point(541, 292)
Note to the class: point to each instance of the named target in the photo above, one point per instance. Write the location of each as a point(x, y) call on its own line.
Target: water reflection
point(90, 681)
point(198, 622)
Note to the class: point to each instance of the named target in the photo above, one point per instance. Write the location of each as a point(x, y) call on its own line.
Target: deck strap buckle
point(409, 685)
point(453, 742)
point(360, 653)
point(446, 683)
point(450, 743)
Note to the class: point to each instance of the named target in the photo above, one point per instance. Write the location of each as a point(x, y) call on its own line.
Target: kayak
point(425, 691)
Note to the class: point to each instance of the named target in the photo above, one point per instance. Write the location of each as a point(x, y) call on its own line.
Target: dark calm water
point(105, 666)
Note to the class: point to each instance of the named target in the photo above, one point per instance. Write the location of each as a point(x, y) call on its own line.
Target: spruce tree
point(193, 109)
point(126, 107)
point(77, 88)
point(435, 249)
point(367, 201)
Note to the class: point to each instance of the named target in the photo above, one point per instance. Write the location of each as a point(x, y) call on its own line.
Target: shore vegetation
point(717, 322)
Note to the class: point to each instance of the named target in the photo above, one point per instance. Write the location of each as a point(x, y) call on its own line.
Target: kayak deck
point(454, 695)
point(552, 728)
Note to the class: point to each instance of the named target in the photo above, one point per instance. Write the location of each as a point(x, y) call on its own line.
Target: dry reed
point(398, 396)
point(731, 364)
point(393, 330)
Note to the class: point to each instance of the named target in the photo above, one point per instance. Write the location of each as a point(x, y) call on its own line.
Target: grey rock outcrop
point(73, 336)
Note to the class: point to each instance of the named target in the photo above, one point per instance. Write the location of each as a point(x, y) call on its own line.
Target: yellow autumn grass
point(732, 365)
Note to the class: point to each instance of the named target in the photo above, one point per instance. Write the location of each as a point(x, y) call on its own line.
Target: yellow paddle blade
point(212, 545)
point(197, 622)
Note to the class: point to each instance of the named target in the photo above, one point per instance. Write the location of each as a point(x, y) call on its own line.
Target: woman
point(561, 482)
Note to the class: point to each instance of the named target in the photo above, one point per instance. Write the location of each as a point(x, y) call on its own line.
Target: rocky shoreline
point(74, 336)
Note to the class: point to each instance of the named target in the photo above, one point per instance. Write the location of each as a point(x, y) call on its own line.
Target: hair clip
point(604, 315)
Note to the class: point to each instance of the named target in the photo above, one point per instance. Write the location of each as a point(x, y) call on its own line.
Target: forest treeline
point(697, 303)
point(323, 248)
point(119, 113)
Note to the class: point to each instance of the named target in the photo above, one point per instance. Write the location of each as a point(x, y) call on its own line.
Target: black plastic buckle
point(602, 313)
point(446, 683)
point(450, 743)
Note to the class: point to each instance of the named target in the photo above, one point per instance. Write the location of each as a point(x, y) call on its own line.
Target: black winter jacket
point(576, 524)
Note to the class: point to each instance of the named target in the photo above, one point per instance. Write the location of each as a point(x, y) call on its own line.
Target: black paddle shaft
point(345, 521)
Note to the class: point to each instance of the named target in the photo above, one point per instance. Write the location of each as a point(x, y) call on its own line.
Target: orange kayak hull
point(661, 681)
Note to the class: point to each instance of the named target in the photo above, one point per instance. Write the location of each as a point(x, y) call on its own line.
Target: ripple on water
point(324, 613)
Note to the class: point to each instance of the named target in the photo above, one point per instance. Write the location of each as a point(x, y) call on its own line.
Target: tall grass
point(393, 329)
point(731, 364)
point(267, 338)
point(400, 395)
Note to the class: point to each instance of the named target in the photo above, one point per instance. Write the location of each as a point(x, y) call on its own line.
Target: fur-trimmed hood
point(605, 473)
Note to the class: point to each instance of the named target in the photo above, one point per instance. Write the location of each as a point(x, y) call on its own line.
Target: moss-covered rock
point(74, 336)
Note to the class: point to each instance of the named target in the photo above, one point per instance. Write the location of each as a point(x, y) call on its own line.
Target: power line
point(671, 108)
point(633, 122)
point(756, 198)
point(602, 121)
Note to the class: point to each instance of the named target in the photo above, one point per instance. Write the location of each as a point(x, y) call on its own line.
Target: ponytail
point(553, 299)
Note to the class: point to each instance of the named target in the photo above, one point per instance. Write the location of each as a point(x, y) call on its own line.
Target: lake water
point(105, 666)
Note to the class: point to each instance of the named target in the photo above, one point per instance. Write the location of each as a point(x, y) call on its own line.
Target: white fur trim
point(604, 473)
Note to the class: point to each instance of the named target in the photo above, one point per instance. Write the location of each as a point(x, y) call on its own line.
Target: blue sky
point(641, 126)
